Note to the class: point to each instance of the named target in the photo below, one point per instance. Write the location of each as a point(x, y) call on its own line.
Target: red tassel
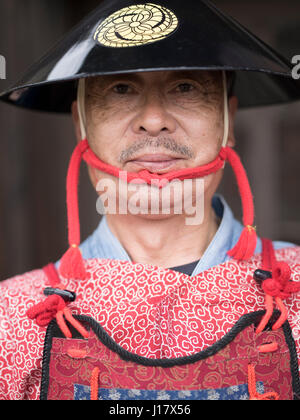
point(245, 247)
point(72, 264)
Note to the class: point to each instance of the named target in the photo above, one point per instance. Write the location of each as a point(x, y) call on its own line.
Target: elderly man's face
point(178, 114)
point(160, 121)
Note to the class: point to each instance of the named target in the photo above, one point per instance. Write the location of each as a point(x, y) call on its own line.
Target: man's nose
point(153, 116)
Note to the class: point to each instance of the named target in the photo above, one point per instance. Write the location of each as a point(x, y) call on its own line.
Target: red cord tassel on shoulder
point(72, 264)
point(245, 247)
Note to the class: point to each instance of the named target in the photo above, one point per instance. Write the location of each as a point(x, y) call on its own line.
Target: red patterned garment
point(234, 368)
point(150, 311)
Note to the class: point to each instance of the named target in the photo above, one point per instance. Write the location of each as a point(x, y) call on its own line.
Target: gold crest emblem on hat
point(136, 25)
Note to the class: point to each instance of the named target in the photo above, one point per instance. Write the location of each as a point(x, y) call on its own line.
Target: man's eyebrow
point(105, 80)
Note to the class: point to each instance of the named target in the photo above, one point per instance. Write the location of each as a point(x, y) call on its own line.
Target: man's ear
point(75, 117)
point(232, 109)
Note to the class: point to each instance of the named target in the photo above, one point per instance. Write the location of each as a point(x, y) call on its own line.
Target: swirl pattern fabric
point(150, 311)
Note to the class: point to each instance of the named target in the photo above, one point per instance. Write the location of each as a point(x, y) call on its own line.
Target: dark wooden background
point(35, 147)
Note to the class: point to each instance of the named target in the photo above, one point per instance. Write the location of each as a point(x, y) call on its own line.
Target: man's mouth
point(155, 163)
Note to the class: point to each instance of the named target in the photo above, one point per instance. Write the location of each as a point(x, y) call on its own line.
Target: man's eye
point(121, 88)
point(185, 87)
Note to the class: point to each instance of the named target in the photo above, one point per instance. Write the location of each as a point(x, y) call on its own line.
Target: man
point(158, 302)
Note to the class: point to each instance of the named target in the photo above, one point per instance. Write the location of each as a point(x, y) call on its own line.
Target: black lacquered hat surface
point(123, 36)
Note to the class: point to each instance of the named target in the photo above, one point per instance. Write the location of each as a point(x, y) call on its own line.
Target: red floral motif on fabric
point(228, 368)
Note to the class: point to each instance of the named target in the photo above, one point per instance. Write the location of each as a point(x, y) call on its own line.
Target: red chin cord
point(72, 264)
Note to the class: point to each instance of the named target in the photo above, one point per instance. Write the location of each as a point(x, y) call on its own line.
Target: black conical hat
point(128, 36)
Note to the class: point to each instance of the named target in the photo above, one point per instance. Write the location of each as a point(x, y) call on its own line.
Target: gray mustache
point(166, 143)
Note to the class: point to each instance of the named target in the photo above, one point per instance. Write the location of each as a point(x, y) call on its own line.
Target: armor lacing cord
point(95, 384)
point(253, 394)
point(72, 264)
point(277, 286)
point(55, 306)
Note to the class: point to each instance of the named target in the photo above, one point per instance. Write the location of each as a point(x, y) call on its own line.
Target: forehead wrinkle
point(168, 75)
point(107, 79)
point(191, 74)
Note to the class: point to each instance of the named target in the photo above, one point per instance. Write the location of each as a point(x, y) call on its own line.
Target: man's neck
point(167, 242)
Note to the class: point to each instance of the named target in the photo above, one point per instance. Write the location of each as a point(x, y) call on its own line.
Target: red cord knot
point(56, 307)
point(223, 153)
point(251, 228)
point(153, 178)
point(280, 284)
point(45, 311)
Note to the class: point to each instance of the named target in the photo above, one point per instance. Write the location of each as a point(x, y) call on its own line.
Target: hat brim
point(205, 39)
